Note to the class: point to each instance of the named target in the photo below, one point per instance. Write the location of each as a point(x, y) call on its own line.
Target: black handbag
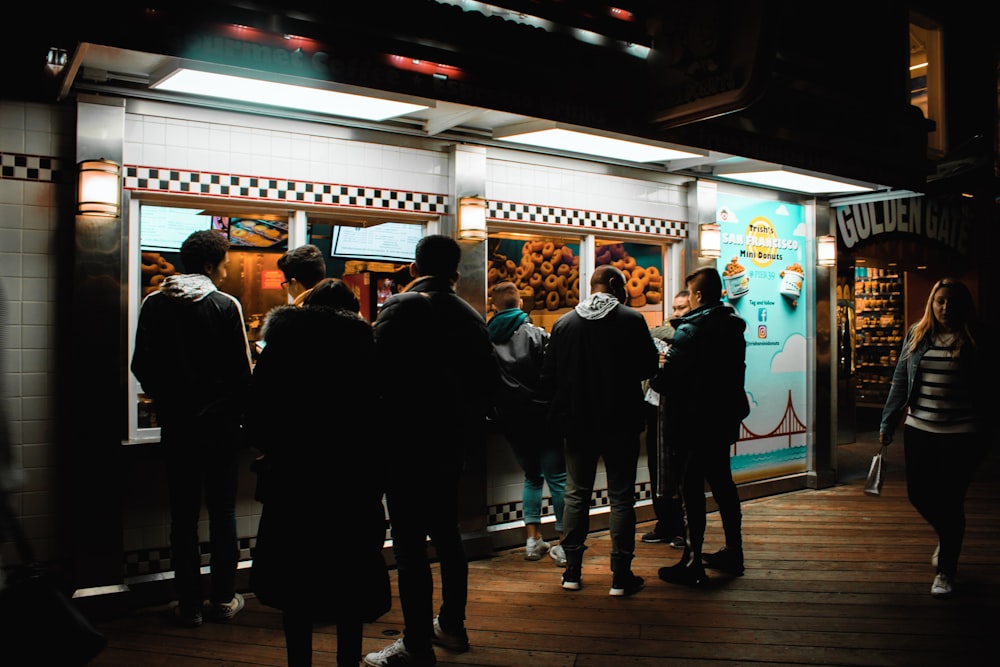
point(37, 619)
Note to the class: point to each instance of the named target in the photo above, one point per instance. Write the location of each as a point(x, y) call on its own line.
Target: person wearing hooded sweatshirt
point(522, 415)
point(192, 357)
point(701, 383)
point(599, 353)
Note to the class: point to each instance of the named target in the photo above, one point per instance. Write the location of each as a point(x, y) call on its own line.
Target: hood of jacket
point(596, 306)
point(713, 314)
point(288, 320)
point(188, 287)
point(503, 325)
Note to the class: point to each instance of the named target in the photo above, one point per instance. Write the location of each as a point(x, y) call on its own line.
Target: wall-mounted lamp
point(826, 250)
point(710, 240)
point(472, 219)
point(99, 193)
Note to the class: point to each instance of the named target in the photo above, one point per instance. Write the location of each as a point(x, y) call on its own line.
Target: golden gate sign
point(935, 219)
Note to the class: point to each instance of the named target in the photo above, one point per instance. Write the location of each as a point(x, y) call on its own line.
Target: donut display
point(155, 268)
point(548, 278)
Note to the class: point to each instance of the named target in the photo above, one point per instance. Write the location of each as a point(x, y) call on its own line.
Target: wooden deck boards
point(833, 578)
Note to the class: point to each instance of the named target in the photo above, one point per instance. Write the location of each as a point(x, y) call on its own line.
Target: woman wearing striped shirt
point(939, 392)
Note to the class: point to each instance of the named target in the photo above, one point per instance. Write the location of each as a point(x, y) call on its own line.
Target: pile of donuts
point(547, 274)
point(643, 284)
point(548, 277)
point(155, 268)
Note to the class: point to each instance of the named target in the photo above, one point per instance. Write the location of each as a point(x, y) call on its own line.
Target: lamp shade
point(709, 240)
point(99, 192)
point(826, 251)
point(472, 219)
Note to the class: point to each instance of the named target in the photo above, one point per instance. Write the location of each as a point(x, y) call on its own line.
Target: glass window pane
point(546, 271)
point(643, 267)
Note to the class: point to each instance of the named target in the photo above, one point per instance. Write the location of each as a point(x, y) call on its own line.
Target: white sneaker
point(942, 586)
point(396, 654)
point(558, 555)
point(225, 611)
point(535, 549)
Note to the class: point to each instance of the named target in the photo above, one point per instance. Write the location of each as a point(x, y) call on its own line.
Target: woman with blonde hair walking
point(939, 392)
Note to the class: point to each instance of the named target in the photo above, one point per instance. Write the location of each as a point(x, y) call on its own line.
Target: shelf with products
point(879, 330)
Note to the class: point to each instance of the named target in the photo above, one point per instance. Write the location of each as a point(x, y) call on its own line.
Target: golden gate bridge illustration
point(789, 425)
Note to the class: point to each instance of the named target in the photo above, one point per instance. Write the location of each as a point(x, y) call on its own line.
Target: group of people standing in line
point(564, 401)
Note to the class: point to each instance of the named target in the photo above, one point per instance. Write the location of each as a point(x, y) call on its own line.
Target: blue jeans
point(543, 461)
point(200, 461)
point(421, 506)
point(621, 455)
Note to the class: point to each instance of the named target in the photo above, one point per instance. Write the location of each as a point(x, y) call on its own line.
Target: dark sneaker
point(396, 654)
point(652, 537)
point(188, 618)
point(678, 542)
point(571, 577)
point(457, 642)
point(684, 575)
point(625, 583)
point(725, 560)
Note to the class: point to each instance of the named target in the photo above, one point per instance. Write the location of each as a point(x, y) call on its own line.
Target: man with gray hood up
point(192, 357)
point(598, 355)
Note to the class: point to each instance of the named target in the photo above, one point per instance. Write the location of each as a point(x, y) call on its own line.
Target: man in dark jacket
point(192, 357)
point(521, 411)
point(701, 383)
point(438, 373)
point(598, 355)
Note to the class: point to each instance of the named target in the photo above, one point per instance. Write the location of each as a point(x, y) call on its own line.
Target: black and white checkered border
point(514, 511)
point(177, 181)
point(157, 560)
point(585, 219)
point(38, 168)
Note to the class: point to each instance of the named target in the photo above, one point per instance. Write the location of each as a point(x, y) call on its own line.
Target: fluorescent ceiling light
point(786, 178)
point(545, 134)
point(291, 96)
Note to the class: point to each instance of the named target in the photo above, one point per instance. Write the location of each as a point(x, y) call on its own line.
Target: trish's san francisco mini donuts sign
point(761, 256)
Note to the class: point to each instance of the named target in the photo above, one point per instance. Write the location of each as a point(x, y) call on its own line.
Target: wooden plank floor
point(833, 577)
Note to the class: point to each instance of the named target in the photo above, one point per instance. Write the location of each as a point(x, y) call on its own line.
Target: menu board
point(390, 241)
point(165, 228)
point(254, 233)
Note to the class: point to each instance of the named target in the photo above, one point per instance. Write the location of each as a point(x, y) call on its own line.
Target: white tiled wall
point(264, 151)
point(28, 280)
point(590, 190)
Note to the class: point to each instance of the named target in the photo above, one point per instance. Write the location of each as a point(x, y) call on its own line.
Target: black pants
point(939, 470)
point(709, 462)
point(298, 628)
point(668, 507)
point(424, 505)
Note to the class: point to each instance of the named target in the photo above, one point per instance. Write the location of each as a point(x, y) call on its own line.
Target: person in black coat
point(598, 355)
point(318, 555)
point(701, 384)
point(438, 373)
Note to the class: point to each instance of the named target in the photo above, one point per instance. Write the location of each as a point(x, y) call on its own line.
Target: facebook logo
point(762, 314)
